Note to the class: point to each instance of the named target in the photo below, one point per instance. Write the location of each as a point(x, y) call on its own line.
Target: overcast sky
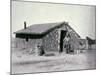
point(80, 18)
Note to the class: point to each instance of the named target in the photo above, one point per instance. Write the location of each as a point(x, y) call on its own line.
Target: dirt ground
point(23, 62)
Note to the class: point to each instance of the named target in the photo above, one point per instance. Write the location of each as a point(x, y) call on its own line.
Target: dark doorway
point(62, 36)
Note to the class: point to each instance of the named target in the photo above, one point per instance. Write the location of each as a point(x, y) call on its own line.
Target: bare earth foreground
point(25, 63)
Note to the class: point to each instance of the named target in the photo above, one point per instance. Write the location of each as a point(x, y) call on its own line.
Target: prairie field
point(23, 61)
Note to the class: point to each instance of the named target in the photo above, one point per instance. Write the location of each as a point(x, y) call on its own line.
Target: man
point(66, 44)
point(41, 50)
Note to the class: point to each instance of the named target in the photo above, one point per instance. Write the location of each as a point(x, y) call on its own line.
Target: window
point(26, 39)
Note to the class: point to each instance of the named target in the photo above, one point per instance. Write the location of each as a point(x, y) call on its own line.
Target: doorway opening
point(62, 36)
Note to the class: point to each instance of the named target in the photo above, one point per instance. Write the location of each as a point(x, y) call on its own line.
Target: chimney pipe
point(24, 24)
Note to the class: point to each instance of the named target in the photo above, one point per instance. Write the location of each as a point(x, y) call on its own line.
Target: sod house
point(50, 37)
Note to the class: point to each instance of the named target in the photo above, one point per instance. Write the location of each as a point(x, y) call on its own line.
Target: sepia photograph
point(52, 37)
